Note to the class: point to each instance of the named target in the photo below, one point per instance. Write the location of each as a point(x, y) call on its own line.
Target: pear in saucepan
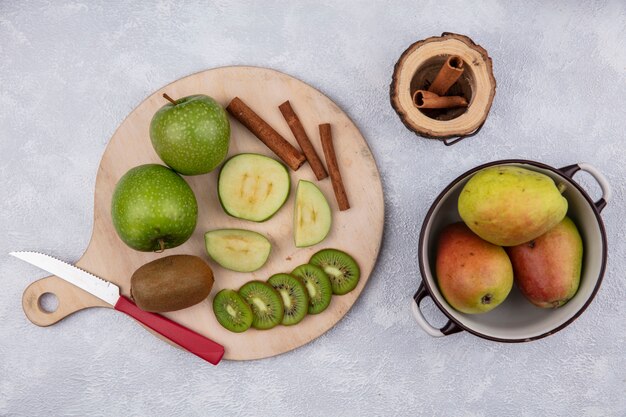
point(474, 276)
point(547, 269)
point(509, 205)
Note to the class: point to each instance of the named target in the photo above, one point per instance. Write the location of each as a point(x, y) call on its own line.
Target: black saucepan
point(516, 319)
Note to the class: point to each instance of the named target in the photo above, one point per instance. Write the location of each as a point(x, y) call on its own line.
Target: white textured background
point(71, 71)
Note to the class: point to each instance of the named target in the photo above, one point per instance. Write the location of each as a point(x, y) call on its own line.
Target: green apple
point(191, 134)
point(153, 208)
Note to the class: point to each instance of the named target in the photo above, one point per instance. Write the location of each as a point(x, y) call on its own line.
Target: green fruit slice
point(253, 187)
point(295, 297)
point(343, 271)
point(231, 311)
point(265, 302)
point(312, 218)
point(236, 249)
point(317, 285)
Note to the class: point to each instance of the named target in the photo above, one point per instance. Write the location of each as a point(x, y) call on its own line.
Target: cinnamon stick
point(266, 133)
point(333, 168)
point(420, 94)
point(303, 140)
point(427, 100)
point(447, 76)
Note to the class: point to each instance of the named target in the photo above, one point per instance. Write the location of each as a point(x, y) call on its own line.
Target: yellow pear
point(509, 205)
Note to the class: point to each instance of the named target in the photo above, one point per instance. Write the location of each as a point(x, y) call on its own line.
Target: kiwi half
point(343, 271)
point(317, 285)
point(265, 302)
point(295, 297)
point(231, 311)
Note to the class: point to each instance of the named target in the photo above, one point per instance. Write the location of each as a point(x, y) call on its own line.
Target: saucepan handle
point(570, 170)
point(449, 328)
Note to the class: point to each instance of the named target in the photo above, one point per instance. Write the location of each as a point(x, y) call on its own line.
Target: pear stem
point(161, 246)
point(168, 98)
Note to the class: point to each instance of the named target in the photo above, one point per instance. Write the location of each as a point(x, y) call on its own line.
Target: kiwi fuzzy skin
point(171, 283)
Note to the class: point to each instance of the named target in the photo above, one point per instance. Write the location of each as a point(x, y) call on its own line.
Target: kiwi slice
point(231, 311)
point(341, 268)
point(265, 302)
point(295, 297)
point(317, 285)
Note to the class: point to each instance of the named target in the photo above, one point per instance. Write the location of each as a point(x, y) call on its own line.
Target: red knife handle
point(182, 336)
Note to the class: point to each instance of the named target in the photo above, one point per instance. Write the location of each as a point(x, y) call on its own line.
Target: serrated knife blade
point(102, 289)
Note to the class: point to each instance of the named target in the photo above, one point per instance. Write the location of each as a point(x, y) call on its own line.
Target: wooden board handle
point(71, 299)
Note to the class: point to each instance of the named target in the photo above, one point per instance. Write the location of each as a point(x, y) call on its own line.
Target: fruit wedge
point(253, 187)
point(312, 218)
point(237, 249)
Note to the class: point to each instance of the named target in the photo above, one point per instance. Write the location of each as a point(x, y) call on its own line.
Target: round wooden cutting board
point(357, 231)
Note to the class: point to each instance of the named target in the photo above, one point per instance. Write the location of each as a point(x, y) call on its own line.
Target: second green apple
point(153, 208)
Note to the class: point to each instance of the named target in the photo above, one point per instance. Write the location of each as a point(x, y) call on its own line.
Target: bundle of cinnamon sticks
point(435, 97)
point(287, 152)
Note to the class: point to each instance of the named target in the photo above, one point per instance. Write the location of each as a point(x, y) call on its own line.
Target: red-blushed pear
point(547, 269)
point(474, 275)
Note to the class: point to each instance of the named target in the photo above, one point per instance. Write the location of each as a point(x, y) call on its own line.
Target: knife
point(110, 293)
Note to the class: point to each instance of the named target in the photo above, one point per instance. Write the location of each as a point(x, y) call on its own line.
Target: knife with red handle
point(195, 343)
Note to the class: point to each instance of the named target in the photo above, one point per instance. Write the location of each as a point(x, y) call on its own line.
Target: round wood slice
point(358, 230)
point(416, 69)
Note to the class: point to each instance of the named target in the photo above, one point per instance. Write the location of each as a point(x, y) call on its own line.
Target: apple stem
point(168, 98)
point(161, 246)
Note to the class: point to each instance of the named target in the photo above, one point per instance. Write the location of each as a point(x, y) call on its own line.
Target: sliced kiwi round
point(231, 311)
point(295, 297)
point(265, 302)
point(317, 285)
point(341, 268)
